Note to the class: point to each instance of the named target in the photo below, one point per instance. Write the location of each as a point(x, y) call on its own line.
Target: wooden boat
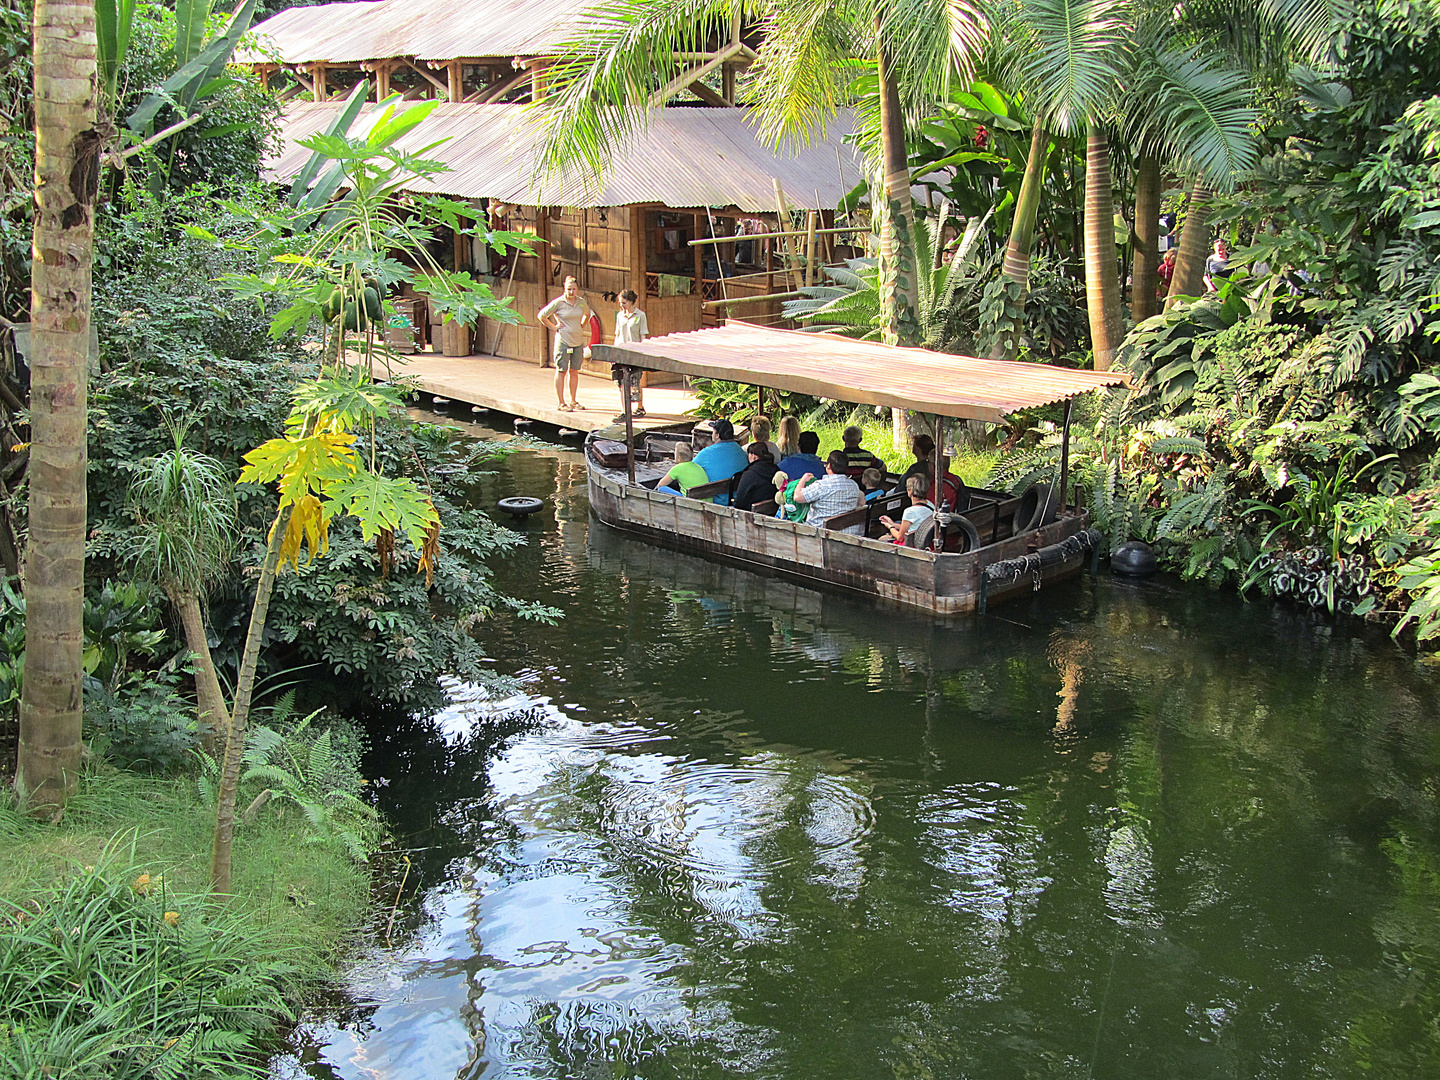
point(1003, 545)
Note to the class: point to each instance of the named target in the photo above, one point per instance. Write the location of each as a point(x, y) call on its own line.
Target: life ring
point(520, 506)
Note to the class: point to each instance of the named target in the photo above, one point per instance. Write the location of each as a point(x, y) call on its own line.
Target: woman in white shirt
point(630, 325)
point(916, 514)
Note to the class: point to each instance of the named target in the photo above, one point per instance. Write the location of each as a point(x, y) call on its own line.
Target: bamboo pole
point(782, 211)
point(810, 248)
point(789, 232)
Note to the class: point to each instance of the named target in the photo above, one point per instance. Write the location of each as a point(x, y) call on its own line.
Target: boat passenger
point(723, 458)
point(916, 514)
point(684, 474)
point(756, 483)
point(806, 460)
point(922, 446)
point(787, 438)
point(834, 493)
point(872, 483)
point(954, 495)
point(760, 433)
point(785, 505)
point(859, 458)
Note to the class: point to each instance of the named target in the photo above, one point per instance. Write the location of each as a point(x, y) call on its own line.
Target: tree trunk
point(67, 173)
point(897, 284)
point(210, 709)
point(1102, 278)
point(244, 687)
point(1016, 267)
point(1189, 279)
point(1143, 301)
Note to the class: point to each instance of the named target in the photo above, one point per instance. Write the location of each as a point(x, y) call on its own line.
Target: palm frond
point(1202, 113)
point(1075, 64)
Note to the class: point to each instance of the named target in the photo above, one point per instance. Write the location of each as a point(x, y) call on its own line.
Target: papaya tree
point(324, 463)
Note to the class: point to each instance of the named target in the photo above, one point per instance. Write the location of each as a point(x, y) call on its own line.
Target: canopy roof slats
point(826, 365)
point(432, 30)
point(685, 157)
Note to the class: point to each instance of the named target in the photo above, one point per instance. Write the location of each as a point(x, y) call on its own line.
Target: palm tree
point(185, 505)
point(807, 58)
point(67, 171)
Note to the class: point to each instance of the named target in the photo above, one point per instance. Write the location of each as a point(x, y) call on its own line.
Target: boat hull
point(943, 584)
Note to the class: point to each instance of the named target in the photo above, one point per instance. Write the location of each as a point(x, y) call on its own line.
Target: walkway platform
point(521, 389)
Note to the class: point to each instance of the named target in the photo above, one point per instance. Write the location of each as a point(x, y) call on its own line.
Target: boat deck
point(522, 389)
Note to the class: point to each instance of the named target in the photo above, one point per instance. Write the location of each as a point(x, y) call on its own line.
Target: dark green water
point(754, 830)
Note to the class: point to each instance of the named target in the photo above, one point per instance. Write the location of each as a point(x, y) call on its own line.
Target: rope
point(1012, 570)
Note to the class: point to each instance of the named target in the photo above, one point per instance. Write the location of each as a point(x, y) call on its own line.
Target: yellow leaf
point(308, 525)
point(302, 465)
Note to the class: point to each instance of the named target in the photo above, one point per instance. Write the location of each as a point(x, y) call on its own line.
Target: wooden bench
point(869, 515)
point(707, 492)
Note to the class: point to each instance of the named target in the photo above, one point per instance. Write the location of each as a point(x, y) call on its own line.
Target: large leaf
point(345, 402)
point(386, 504)
point(301, 465)
point(300, 188)
point(180, 89)
point(114, 20)
point(190, 19)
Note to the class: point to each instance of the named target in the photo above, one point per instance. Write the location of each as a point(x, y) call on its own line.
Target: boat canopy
point(866, 372)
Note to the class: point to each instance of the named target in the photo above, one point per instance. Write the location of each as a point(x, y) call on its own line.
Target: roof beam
point(419, 70)
point(686, 78)
point(495, 91)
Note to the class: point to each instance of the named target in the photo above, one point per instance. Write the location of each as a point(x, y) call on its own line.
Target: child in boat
point(872, 483)
point(684, 474)
point(788, 508)
point(916, 514)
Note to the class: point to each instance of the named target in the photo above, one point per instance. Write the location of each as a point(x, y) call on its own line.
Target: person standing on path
point(631, 326)
point(569, 316)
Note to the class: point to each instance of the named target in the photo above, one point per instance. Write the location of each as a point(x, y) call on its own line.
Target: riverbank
point(125, 871)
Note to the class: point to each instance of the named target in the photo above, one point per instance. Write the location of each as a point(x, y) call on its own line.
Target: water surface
point(746, 829)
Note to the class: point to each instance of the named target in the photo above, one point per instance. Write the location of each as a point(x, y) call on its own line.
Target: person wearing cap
point(723, 458)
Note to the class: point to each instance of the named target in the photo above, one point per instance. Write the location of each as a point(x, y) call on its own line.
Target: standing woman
point(569, 316)
point(630, 326)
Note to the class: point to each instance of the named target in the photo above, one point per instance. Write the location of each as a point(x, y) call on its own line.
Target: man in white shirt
point(630, 325)
point(569, 317)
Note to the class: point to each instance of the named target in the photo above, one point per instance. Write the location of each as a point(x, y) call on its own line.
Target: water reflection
point(748, 829)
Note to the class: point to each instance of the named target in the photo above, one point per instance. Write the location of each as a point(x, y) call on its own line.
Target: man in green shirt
point(569, 317)
point(684, 474)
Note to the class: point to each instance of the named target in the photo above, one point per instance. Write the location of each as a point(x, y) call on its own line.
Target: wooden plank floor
point(521, 389)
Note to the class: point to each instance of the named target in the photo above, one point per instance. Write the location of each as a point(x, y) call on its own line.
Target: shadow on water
point(731, 826)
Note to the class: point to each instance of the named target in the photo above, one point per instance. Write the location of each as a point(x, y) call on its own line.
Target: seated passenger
point(923, 447)
point(756, 483)
point(760, 433)
point(723, 458)
point(916, 514)
point(858, 457)
point(834, 493)
point(954, 495)
point(806, 460)
point(872, 483)
point(684, 474)
point(786, 506)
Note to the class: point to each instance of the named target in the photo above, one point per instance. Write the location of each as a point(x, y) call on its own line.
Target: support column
point(639, 250)
point(456, 80)
point(699, 258)
point(382, 81)
point(542, 229)
point(318, 86)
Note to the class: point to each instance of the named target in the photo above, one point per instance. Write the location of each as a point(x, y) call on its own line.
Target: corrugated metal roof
point(866, 372)
point(686, 157)
point(425, 29)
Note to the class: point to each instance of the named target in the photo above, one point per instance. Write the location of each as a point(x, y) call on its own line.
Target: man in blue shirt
point(723, 458)
point(806, 461)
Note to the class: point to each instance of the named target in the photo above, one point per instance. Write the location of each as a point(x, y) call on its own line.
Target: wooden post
point(939, 541)
point(639, 250)
point(582, 255)
point(455, 71)
point(542, 230)
point(782, 218)
point(317, 79)
point(461, 255)
point(382, 81)
point(625, 385)
point(810, 247)
point(1065, 458)
point(699, 260)
point(759, 403)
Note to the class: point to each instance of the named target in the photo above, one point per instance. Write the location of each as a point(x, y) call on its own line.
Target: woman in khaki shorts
point(569, 317)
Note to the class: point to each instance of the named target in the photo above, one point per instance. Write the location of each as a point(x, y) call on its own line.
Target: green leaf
point(348, 400)
point(302, 465)
point(179, 89)
point(383, 502)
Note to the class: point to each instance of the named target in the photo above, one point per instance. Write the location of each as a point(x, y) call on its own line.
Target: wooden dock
point(523, 389)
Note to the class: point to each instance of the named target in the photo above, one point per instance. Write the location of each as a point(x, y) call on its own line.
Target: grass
point(306, 895)
point(116, 965)
point(972, 466)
